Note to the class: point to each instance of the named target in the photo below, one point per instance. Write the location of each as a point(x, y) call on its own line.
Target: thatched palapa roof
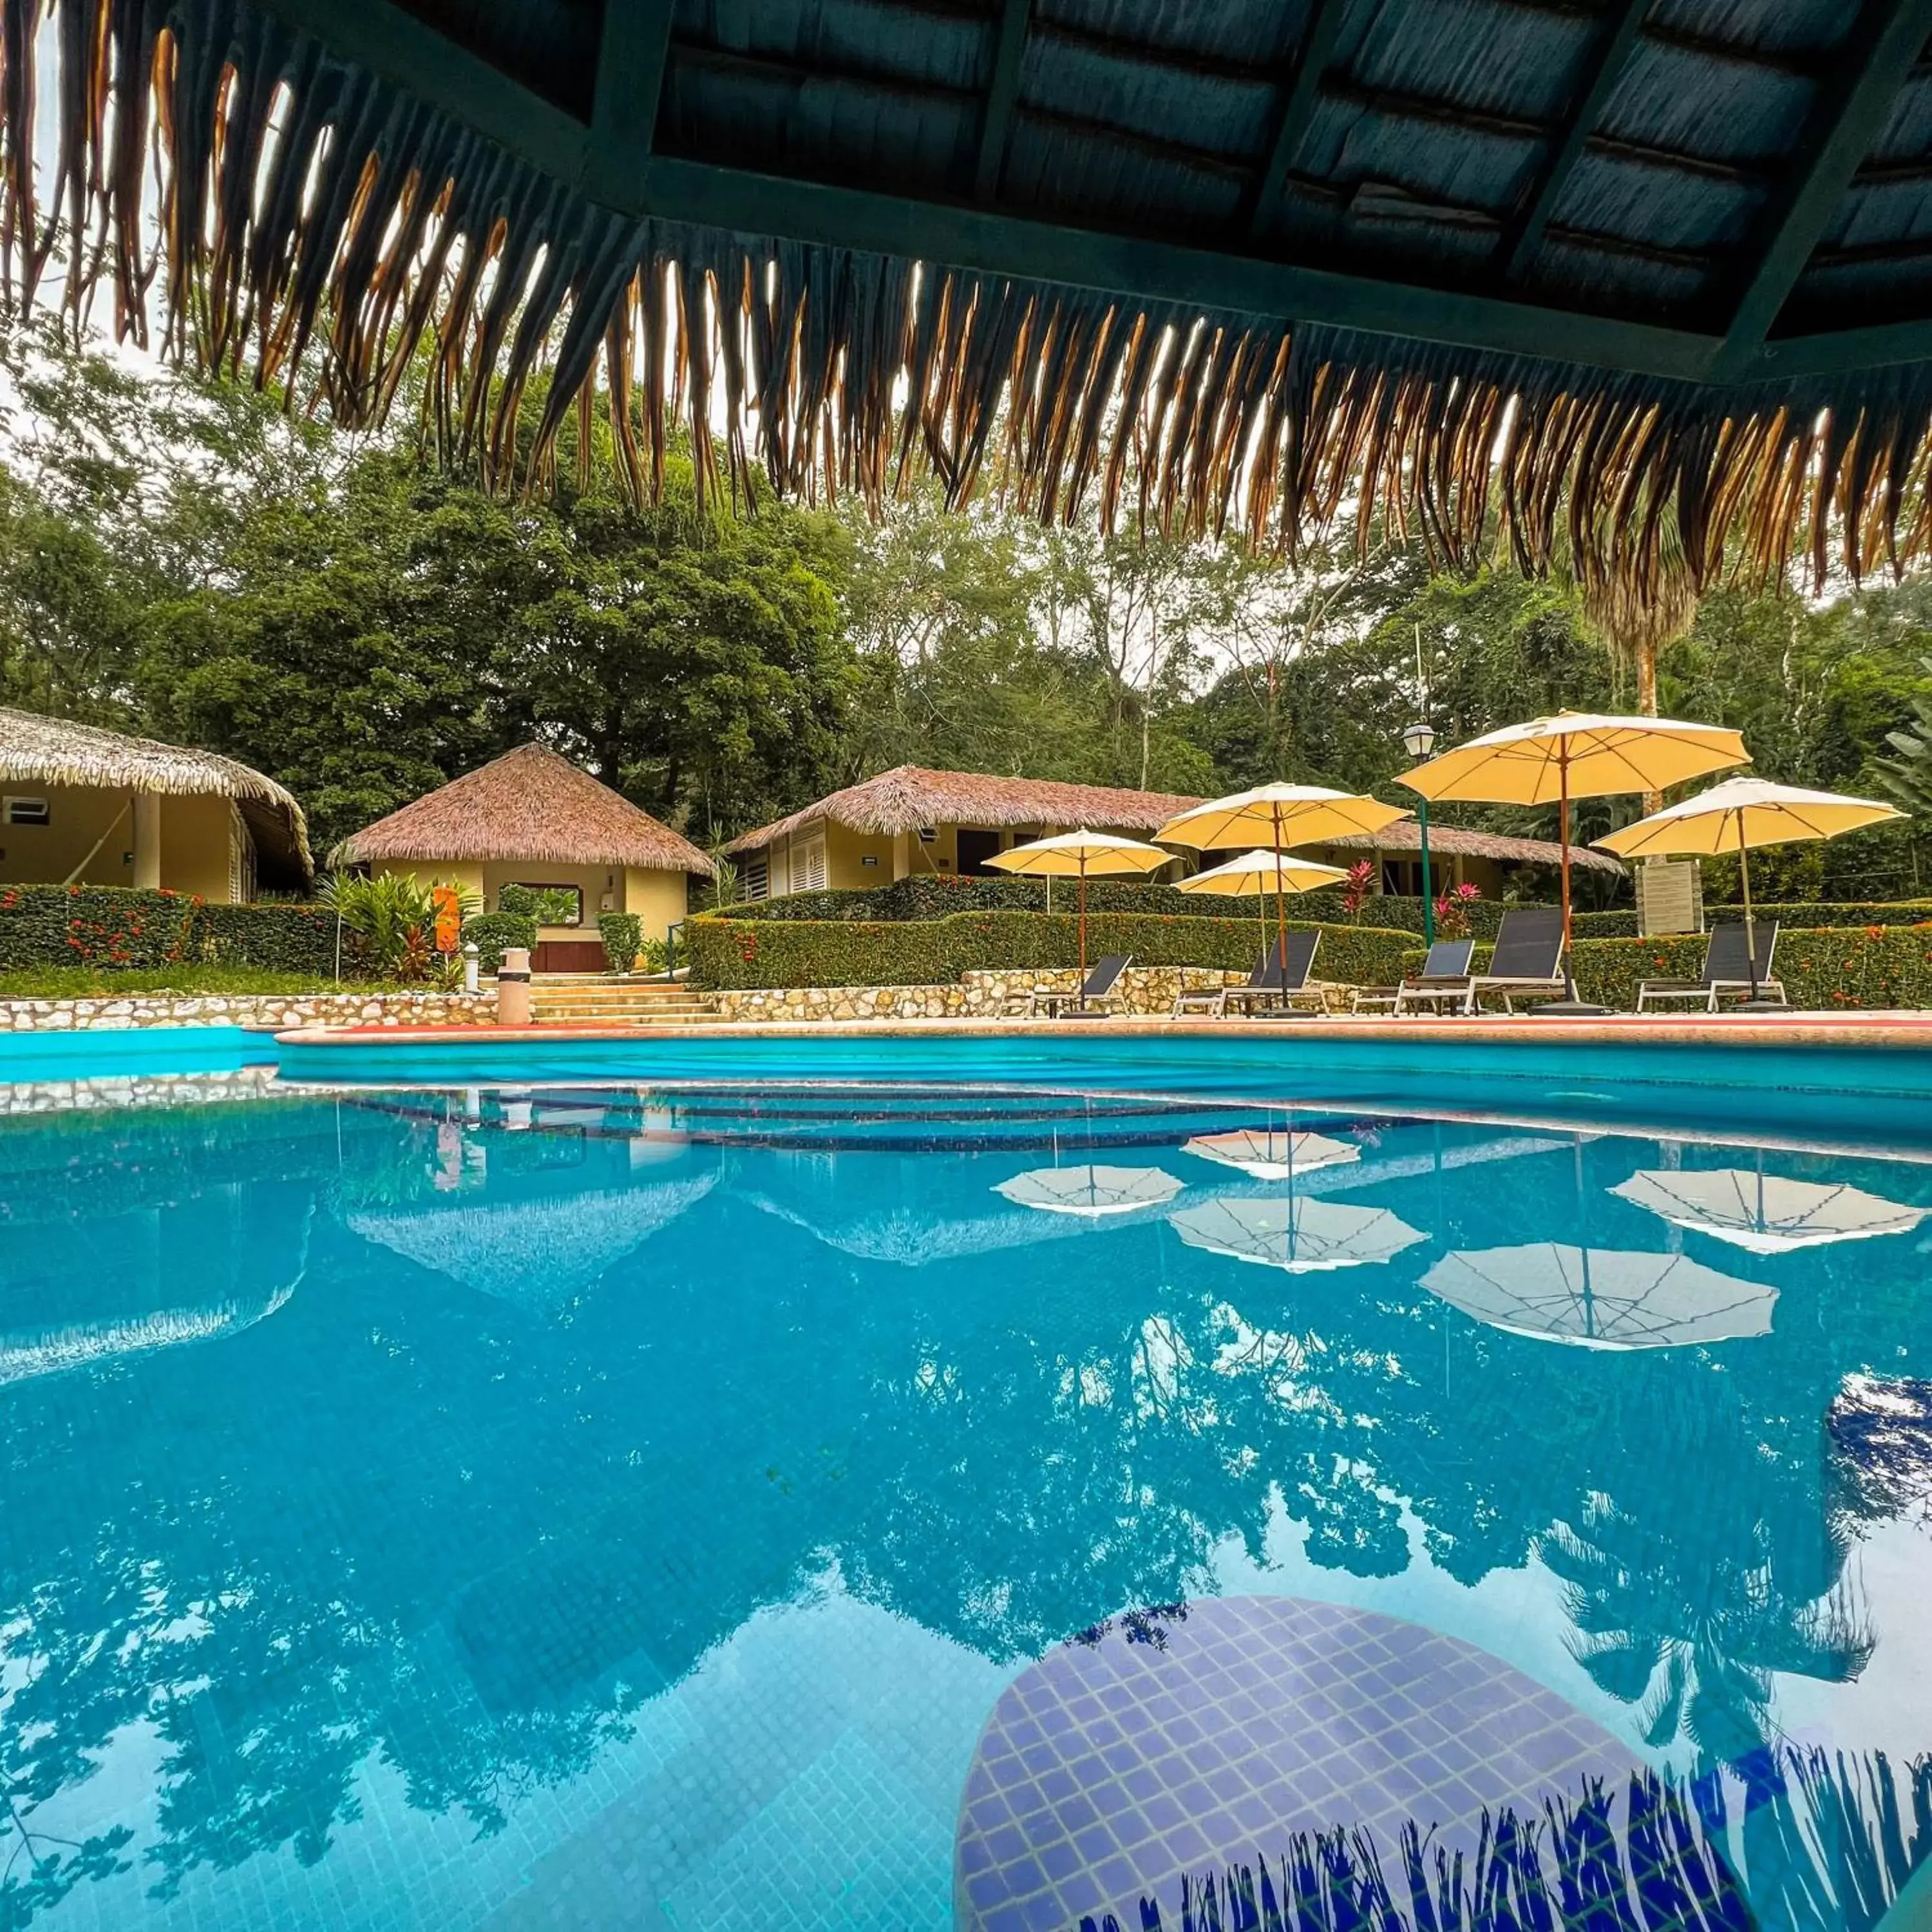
point(1405, 835)
point(1609, 279)
point(528, 805)
point(35, 750)
point(910, 796)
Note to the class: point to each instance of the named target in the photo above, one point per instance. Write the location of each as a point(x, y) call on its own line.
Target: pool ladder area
point(593, 1000)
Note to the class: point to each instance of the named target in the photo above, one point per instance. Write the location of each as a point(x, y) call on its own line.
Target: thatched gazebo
point(81, 804)
point(532, 818)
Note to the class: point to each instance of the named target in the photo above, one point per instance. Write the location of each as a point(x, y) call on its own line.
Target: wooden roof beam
point(1624, 28)
point(1298, 104)
point(383, 39)
point(631, 59)
point(1878, 56)
point(1002, 97)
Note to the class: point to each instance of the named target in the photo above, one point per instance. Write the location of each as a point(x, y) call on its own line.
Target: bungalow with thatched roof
point(532, 818)
point(912, 820)
point(82, 805)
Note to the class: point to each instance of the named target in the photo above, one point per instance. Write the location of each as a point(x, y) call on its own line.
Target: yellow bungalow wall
point(199, 836)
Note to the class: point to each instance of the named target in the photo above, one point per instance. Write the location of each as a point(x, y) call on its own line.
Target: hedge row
point(1820, 968)
point(942, 896)
point(729, 953)
point(110, 926)
point(1893, 912)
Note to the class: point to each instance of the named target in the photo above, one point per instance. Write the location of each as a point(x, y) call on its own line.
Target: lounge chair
point(1214, 1000)
point(1444, 976)
point(1100, 991)
point(1296, 957)
point(1526, 963)
point(1726, 970)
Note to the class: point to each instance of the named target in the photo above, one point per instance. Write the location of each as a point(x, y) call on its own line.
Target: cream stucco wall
point(197, 835)
point(846, 852)
point(659, 899)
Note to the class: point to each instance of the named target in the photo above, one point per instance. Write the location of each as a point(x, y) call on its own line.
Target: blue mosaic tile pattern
point(1175, 1741)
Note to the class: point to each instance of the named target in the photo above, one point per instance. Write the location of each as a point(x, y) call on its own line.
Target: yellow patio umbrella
point(1741, 813)
point(1073, 855)
point(1575, 754)
point(1261, 872)
point(1279, 815)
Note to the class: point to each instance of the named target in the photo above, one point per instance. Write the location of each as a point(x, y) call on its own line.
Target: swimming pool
point(724, 1505)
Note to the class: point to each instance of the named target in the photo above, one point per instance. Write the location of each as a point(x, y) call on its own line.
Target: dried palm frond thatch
point(909, 797)
point(529, 805)
point(316, 224)
point(35, 750)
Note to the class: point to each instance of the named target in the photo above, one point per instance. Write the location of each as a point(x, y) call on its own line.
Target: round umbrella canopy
point(1575, 754)
point(1269, 1156)
point(1260, 873)
point(1762, 1212)
point(1089, 1192)
point(1601, 1298)
point(1739, 814)
point(1073, 855)
point(1300, 1236)
point(1282, 815)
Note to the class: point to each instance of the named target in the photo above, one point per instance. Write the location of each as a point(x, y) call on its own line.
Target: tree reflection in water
point(464, 1520)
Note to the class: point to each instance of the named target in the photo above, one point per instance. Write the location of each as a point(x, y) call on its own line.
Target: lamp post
point(1419, 740)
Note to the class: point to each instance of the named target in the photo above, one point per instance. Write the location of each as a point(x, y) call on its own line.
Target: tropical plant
point(1452, 909)
point(392, 919)
point(548, 905)
point(1907, 779)
point(724, 887)
point(1361, 877)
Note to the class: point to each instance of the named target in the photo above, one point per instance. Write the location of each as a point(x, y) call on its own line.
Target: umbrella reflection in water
point(1266, 1155)
point(1301, 1237)
point(1601, 1298)
point(1764, 1213)
point(1090, 1191)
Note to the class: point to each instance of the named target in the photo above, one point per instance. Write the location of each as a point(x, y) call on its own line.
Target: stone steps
point(580, 1001)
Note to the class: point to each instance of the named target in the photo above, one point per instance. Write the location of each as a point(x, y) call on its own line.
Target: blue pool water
point(699, 1505)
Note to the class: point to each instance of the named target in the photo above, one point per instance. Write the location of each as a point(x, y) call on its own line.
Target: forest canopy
point(194, 563)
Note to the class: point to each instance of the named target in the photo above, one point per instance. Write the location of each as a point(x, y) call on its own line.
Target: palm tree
point(1695, 1627)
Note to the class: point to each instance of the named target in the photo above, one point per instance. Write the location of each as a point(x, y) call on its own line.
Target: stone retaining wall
point(978, 995)
point(278, 1010)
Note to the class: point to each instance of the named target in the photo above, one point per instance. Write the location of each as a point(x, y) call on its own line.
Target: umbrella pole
point(1280, 894)
point(1570, 1006)
point(1751, 930)
point(1563, 838)
point(1083, 933)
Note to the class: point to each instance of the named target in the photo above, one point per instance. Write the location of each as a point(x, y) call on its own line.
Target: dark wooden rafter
point(1856, 99)
point(631, 57)
point(388, 41)
point(1291, 117)
point(1621, 30)
point(1003, 94)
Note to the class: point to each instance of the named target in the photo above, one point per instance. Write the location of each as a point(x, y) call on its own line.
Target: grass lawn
point(81, 982)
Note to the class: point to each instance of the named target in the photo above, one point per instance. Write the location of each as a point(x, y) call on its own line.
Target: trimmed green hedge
point(729, 953)
point(1894, 912)
point(943, 896)
point(1823, 967)
point(491, 932)
point(113, 927)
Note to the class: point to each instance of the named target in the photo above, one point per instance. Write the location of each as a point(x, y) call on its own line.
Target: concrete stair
point(591, 1000)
